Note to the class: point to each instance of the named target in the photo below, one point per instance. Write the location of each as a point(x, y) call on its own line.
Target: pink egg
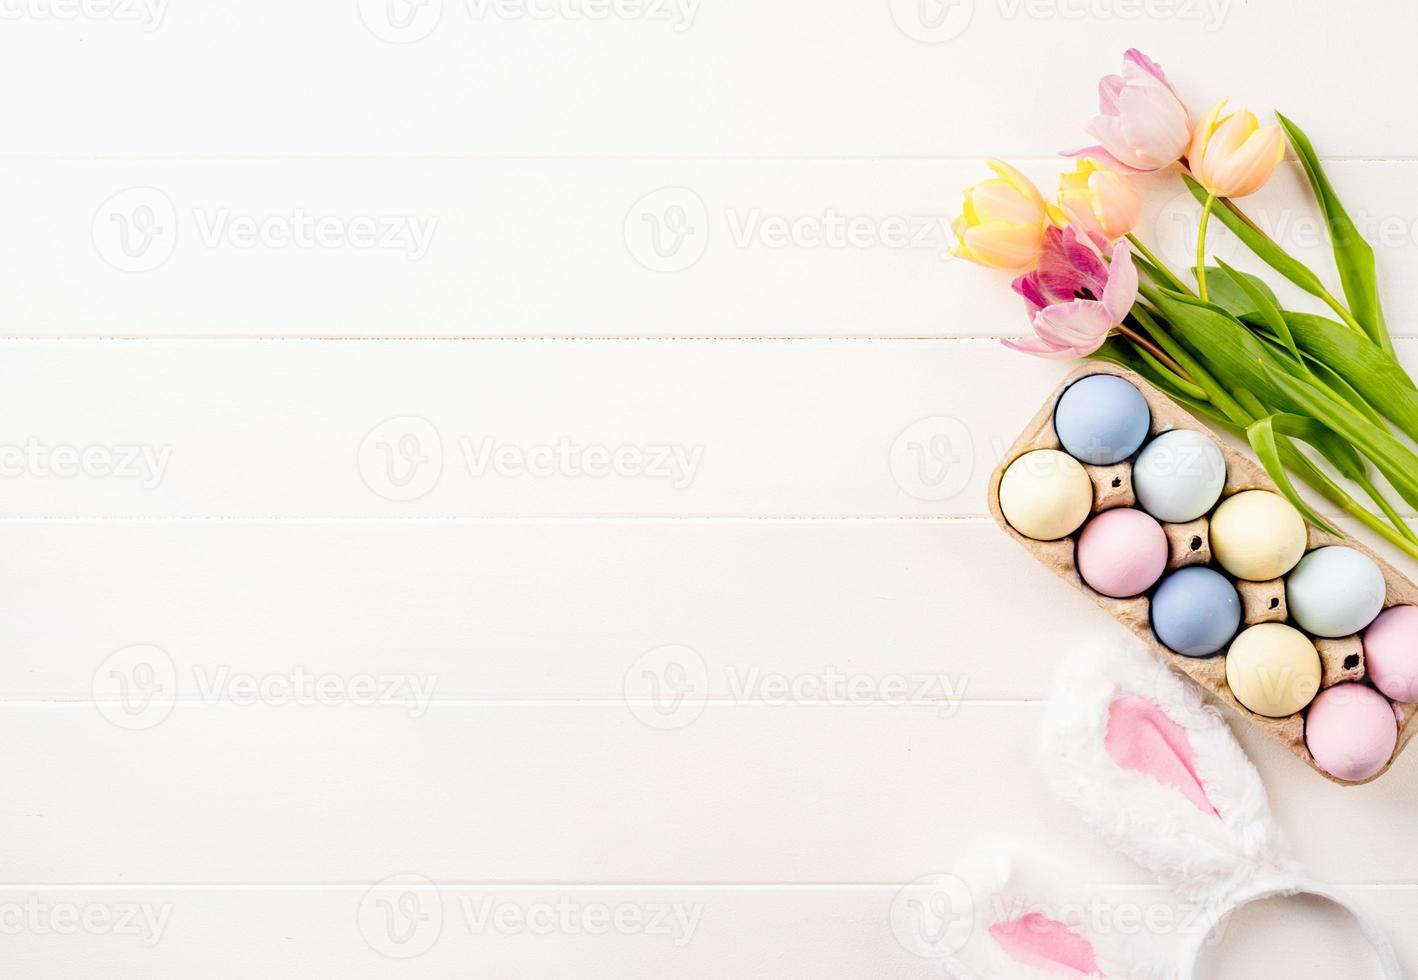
point(1122, 552)
point(1391, 652)
point(1351, 732)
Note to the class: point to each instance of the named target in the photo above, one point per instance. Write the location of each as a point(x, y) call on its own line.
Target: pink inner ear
point(1046, 944)
point(1141, 737)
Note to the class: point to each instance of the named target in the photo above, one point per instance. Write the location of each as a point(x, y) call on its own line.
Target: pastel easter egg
point(1351, 731)
point(1122, 552)
point(1102, 419)
point(1391, 653)
point(1273, 669)
point(1045, 494)
point(1179, 475)
point(1257, 535)
point(1335, 591)
point(1196, 611)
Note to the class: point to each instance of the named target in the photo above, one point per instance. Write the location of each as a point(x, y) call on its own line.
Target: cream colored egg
point(1257, 535)
point(1273, 669)
point(1046, 494)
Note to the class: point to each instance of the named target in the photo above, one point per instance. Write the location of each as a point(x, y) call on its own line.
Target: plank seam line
point(519, 883)
point(526, 338)
point(596, 701)
point(487, 518)
point(826, 158)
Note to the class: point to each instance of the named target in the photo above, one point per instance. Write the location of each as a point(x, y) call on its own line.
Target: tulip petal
point(1108, 130)
point(1028, 287)
point(1231, 131)
point(1247, 169)
point(1102, 157)
point(1115, 206)
point(996, 200)
point(1109, 88)
point(1002, 244)
point(1201, 135)
point(1083, 325)
point(1154, 124)
point(1018, 181)
point(1039, 348)
point(1135, 58)
point(1121, 292)
point(1082, 257)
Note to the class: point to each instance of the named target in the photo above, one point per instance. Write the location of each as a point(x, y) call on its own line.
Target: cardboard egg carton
point(1189, 544)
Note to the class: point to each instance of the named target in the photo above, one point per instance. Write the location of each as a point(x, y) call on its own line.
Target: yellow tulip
point(1233, 156)
point(1002, 222)
point(1098, 202)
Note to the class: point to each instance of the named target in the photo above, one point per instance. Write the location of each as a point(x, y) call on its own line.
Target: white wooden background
point(700, 714)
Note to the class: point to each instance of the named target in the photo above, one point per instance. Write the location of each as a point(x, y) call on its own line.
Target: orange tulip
point(1232, 156)
point(1098, 202)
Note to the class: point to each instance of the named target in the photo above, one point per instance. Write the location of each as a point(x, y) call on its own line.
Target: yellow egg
point(1273, 669)
point(1257, 535)
point(1046, 494)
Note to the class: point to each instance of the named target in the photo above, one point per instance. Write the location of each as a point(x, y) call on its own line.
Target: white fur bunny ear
point(1160, 776)
point(1008, 920)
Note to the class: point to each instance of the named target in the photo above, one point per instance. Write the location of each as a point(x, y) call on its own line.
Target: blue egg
point(1101, 419)
point(1196, 611)
point(1335, 591)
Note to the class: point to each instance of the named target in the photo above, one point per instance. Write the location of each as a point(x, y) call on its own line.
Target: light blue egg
point(1196, 611)
point(1178, 476)
point(1335, 591)
point(1101, 419)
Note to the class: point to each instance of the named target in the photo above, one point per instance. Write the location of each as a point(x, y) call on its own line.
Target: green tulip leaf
point(1373, 373)
point(1262, 302)
point(1264, 441)
point(1231, 295)
point(1353, 256)
point(1244, 362)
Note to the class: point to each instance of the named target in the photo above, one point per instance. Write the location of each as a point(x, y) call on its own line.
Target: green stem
point(1341, 311)
point(1394, 517)
point(1217, 394)
point(1152, 349)
point(1176, 382)
point(1201, 247)
point(1157, 263)
point(1311, 474)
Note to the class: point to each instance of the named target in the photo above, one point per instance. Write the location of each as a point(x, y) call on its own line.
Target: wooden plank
point(360, 931)
point(289, 429)
point(798, 248)
point(672, 78)
point(846, 611)
point(583, 792)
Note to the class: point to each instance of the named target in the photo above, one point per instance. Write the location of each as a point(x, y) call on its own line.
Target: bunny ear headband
point(1158, 774)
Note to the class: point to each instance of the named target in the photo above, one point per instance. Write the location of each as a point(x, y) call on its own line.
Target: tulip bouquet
point(1224, 347)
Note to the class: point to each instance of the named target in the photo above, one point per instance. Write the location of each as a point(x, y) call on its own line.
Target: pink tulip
point(1075, 299)
point(1142, 125)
